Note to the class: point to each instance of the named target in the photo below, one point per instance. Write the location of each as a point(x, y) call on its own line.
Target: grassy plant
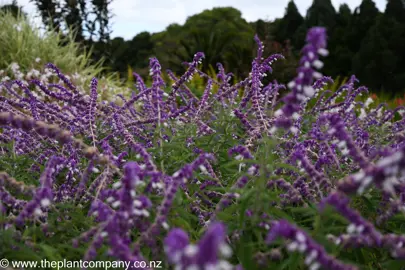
point(31, 48)
point(23, 44)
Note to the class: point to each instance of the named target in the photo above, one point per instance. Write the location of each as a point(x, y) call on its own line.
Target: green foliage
point(339, 62)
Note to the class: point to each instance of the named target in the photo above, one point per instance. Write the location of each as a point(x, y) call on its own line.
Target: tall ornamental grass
point(21, 42)
point(27, 46)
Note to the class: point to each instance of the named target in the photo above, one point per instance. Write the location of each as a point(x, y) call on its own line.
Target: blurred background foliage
point(364, 41)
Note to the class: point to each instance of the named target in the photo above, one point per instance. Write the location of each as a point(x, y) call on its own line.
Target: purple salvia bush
point(179, 177)
point(117, 192)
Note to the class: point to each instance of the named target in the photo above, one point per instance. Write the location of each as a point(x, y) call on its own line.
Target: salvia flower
point(301, 86)
point(206, 254)
point(315, 255)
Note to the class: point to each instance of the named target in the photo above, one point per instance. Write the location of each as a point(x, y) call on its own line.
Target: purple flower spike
point(44, 194)
point(209, 244)
point(240, 150)
point(358, 223)
point(62, 77)
point(189, 73)
point(92, 108)
point(205, 255)
point(174, 244)
point(301, 87)
point(315, 254)
point(157, 92)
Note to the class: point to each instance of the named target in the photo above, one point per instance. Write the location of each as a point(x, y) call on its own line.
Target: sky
point(134, 16)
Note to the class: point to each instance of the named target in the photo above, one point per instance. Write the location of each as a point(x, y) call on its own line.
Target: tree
point(396, 10)
point(118, 60)
point(340, 60)
point(321, 13)
point(50, 12)
point(13, 8)
point(289, 24)
point(378, 64)
point(221, 33)
point(364, 18)
point(380, 61)
point(102, 17)
point(261, 28)
point(76, 15)
point(344, 16)
point(140, 49)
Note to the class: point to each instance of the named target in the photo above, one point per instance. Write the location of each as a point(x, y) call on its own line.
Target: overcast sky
point(134, 16)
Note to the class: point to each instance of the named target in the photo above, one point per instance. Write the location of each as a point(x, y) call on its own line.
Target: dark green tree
point(289, 24)
point(74, 17)
point(340, 59)
point(378, 64)
point(344, 16)
point(221, 33)
point(261, 28)
point(50, 12)
point(321, 13)
point(13, 8)
point(364, 18)
point(118, 60)
point(396, 9)
point(140, 50)
point(102, 16)
point(91, 18)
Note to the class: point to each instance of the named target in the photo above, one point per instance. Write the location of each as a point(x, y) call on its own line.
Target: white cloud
point(134, 16)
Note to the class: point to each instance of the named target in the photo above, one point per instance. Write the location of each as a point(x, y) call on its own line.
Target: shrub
point(314, 179)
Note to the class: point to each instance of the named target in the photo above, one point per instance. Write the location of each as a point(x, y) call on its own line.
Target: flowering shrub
point(217, 182)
